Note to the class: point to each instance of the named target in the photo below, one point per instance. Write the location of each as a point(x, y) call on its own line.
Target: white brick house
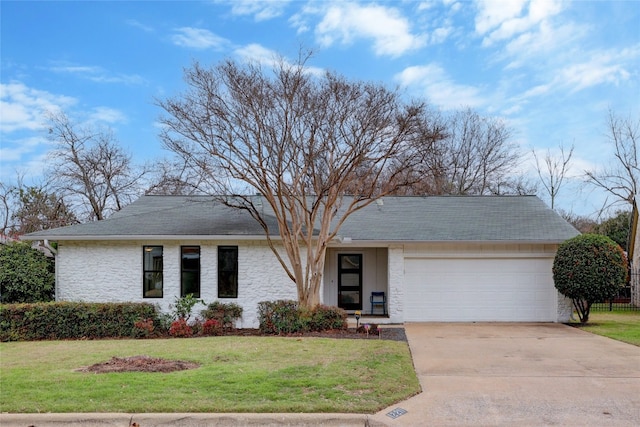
point(436, 258)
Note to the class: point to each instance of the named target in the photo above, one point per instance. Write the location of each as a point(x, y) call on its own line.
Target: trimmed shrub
point(26, 274)
point(279, 317)
point(72, 320)
point(144, 329)
point(286, 317)
point(589, 268)
point(225, 314)
point(212, 327)
point(180, 329)
point(325, 318)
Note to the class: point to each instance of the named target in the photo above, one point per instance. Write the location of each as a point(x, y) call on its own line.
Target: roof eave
point(153, 237)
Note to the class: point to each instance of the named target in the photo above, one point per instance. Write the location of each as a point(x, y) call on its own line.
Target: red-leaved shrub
point(211, 327)
point(180, 329)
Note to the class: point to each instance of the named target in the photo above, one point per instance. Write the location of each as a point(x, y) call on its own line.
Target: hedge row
point(72, 320)
point(286, 317)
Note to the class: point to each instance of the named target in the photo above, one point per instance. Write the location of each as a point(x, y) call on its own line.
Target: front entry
point(350, 281)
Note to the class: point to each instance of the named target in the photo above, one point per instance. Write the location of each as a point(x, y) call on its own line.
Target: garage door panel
point(479, 290)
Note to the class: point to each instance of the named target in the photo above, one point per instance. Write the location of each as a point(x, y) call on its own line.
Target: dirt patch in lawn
point(139, 364)
point(154, 364)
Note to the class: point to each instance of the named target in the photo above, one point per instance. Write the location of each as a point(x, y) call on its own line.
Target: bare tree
point(553, 171)
point(472, 155)
point(301, 142)
point(177, 177)
point(582, 223)
point(621, 177)
point(7, 203)
point(90, 169)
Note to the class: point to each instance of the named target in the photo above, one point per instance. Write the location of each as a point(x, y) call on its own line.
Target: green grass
point(237, 374)
point(619, 325)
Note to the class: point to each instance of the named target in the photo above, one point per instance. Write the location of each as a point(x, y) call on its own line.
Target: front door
point(350, 281)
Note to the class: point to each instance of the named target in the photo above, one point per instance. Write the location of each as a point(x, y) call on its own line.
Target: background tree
point(176, 177)
point(39, 210)
point(616, 228)
point(26, 209)
point(553, 171)
point(620, 179)
point(91, 169)
point(589, 268)
point(470, 154)
point(7, 203)
point(582, 223)
point(302, 143)
point(26, 274)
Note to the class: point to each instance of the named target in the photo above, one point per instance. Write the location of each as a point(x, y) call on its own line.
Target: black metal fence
point(628, 298)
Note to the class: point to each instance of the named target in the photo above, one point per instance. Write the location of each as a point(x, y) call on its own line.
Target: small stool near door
point(378, 299)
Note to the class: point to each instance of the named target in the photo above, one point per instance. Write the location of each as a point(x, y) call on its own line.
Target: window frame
point(148, 249)
point(184, 270)
point(228, 274)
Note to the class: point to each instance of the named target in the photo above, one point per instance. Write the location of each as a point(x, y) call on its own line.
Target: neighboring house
point(450, 258)
point(634, 255)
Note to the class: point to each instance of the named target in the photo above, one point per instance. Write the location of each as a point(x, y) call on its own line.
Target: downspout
point(54, 251)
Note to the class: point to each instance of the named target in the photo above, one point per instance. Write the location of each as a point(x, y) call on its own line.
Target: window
point(152, 271)
point(190, 271)
point(227, 272)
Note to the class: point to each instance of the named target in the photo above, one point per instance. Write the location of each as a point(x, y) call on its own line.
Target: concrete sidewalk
point(471, 374)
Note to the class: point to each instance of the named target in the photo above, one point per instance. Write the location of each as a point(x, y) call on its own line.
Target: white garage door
point(461, 290)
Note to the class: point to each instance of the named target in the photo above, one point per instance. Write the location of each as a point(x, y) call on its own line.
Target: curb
point(186, 420)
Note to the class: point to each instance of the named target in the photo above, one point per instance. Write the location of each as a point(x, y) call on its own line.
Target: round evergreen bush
point(26, 274)
point(589, 268)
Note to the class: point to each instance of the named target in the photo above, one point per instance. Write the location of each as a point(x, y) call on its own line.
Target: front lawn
point(237, 374)
point(619, 325)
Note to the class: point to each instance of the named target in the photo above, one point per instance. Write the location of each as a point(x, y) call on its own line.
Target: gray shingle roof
point(431, 218)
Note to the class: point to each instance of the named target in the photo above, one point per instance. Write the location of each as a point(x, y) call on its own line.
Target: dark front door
point(350, 281)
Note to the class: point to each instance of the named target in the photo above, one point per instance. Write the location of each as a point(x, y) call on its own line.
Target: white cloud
point(15, 149)
point(260, 54)
point(107, 115)
point(260, 9)
point(492, 14)
point(344, 23)
point(440, 35)
point(96, 74)
point(198, 38)
point(137, 24)
point(503, 20)
point(603, 67)
point(24, 108)
point(434, 83)
point(257, 53)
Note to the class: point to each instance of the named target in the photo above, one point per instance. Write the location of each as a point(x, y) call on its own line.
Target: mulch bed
point(391, 333)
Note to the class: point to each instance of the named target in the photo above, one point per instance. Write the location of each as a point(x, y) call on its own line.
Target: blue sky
point(551, 69)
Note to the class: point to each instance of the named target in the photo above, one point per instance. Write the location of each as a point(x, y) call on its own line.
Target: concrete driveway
point(519, 374)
